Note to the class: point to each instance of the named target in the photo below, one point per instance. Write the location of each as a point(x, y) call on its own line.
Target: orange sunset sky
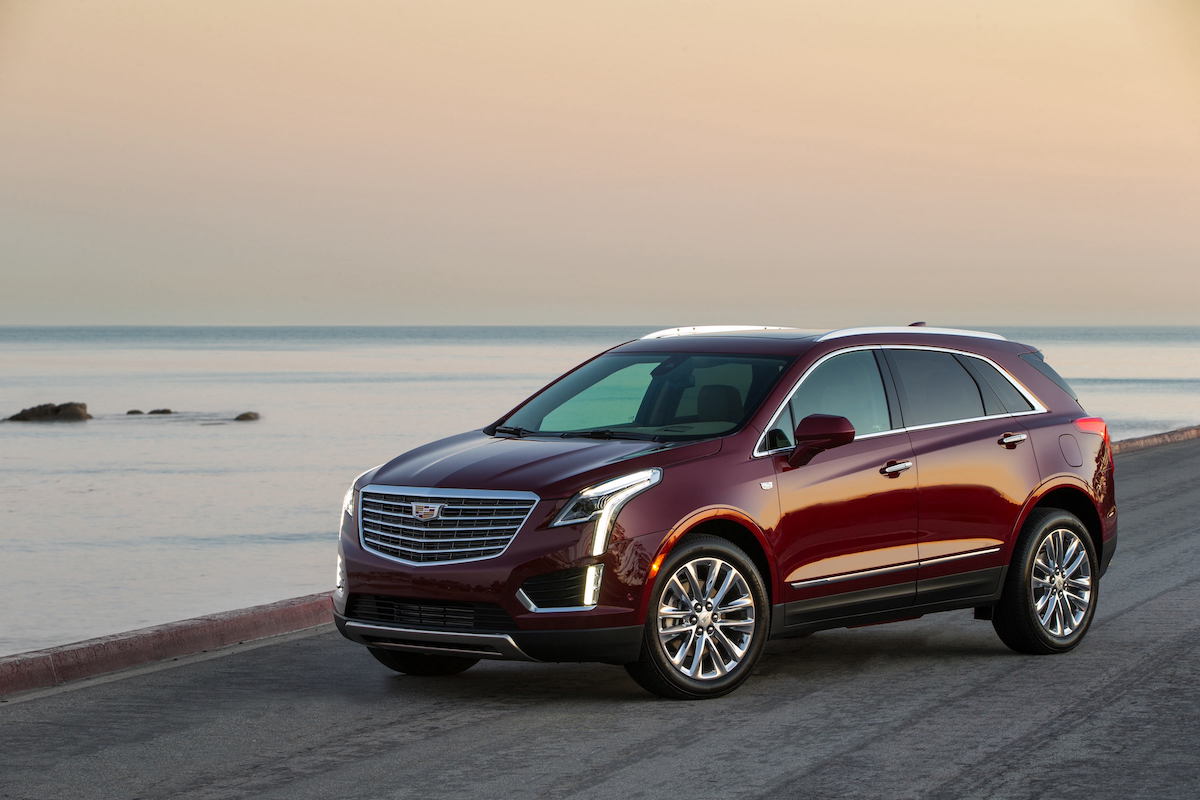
point(803, 163)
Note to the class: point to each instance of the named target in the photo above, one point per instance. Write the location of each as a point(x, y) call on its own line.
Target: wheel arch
point(734, 526)
point(1072, 497)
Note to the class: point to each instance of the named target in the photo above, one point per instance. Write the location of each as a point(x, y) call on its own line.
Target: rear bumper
point(1106, 552)
point(606, 645)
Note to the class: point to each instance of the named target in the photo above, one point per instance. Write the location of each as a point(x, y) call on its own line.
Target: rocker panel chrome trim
point(867, 573)
point(956, 556)
point(849, 576)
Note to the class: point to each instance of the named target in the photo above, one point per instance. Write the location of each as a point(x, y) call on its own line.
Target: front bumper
point(538, 551)
point(620, 645)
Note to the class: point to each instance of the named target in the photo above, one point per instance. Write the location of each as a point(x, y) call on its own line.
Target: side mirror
point(817, 433)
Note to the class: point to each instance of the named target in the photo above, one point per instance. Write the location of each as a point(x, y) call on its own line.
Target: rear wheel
point(707, 622)
point(420, 664)
point(1051, 588)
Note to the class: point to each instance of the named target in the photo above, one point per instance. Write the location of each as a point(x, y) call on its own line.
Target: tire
point(1052, 586)
point(735, 606)
point(418, 664)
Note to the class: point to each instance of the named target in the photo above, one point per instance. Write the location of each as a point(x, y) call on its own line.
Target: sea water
point(126, 521)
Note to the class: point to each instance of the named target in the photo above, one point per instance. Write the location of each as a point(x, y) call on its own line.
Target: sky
point(815, 163)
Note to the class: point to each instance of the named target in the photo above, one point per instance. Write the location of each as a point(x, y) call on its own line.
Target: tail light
point(1097, 426)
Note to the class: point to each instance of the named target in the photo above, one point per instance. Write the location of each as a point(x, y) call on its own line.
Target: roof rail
point(920, 330)
point(689, 330)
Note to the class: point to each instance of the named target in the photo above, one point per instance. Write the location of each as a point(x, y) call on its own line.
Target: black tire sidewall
point(652, 648)
point(1045, 525)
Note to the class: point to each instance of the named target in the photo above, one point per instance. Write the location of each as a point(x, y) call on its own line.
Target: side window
point(612, 400)
point(849, 386)
point(991, 400)
point(1011, 400)
point(780, 435)
point(934, 387)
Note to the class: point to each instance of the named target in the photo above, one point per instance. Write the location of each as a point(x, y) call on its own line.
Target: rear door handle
point(1011, 440)
point(893, 468)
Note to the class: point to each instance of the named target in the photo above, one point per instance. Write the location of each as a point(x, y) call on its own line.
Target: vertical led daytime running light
point(591, 585)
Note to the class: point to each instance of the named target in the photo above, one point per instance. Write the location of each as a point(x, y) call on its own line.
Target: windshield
point(661, 396)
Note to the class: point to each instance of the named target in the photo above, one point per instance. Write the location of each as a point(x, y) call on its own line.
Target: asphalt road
point(931, 708)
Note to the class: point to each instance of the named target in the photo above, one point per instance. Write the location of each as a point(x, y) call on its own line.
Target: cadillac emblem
point(427, 511)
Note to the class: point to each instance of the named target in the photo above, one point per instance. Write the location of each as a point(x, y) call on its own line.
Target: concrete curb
point(43, 668)
point(39, 669)
point(1155, 439)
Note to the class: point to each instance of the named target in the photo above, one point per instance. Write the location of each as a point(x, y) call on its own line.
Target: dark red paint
point(833, 507)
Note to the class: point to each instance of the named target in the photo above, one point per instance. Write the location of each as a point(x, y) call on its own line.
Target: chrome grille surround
point(471, 524)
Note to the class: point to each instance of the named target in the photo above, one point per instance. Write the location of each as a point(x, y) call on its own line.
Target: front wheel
point(419, 664)
point(707, 622)
point(1051, 588)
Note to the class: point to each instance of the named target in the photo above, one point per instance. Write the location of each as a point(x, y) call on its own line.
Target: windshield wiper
point(511, 430)
point(609, 433)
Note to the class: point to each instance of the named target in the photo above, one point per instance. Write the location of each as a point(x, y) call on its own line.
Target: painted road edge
point(39, 669)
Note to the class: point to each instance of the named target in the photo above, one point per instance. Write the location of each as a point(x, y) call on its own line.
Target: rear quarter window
point(1038, 362)
point(1001, 388)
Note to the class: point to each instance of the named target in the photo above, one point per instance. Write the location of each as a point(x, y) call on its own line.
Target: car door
point(846, 539)
point(974, 466)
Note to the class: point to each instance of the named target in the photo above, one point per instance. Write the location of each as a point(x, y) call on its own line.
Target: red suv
point(674, 502)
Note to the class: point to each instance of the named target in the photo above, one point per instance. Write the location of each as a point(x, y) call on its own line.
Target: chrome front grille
point(440, 526)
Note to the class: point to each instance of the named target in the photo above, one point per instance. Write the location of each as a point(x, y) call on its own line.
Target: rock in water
point(160, 411)
point(49, 412)
point(134, 411)
point(246, 416)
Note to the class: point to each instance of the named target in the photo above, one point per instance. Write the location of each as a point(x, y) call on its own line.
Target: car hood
point(552, 468)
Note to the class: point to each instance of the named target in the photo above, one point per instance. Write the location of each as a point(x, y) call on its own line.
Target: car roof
point(771, 340)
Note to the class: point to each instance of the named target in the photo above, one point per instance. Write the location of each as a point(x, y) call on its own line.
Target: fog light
point(591, 584)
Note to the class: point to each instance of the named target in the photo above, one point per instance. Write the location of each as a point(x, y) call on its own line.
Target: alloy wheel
point(706, 618)
point(1061, 583)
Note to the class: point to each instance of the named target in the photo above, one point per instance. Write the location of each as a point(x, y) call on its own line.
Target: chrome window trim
point(907, 565)
point(844, 332)
point(1030, 397)
point(473, 494)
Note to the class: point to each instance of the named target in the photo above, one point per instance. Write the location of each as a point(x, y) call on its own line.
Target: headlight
point(350, 500)
point(603, 501)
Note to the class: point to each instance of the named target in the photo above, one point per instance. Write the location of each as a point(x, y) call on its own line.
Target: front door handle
point(1011, 440)
point(893, 468)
